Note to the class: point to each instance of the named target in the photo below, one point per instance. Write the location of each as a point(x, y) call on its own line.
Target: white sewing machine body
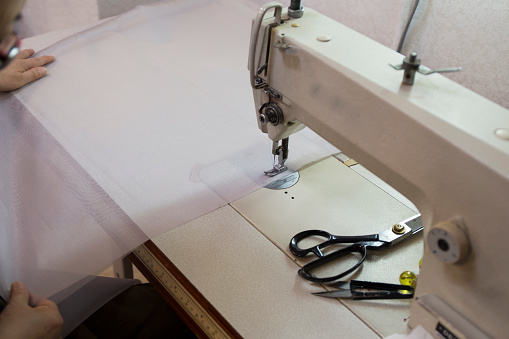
point(436, 142)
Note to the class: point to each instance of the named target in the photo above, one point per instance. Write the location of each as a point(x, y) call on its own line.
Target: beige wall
point(107, 8)
point(43, 16)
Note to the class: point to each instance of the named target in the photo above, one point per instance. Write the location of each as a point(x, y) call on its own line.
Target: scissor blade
point(409, 226)
point(344, 285)
point(415, 223)
point(335, 294)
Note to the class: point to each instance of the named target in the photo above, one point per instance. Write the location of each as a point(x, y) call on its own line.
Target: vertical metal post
point(295, 10)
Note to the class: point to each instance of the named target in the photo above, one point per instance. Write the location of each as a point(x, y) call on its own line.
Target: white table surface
point(246, 271)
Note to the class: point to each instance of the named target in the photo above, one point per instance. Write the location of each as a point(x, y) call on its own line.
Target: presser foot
point(276, 170)
point(281, 154)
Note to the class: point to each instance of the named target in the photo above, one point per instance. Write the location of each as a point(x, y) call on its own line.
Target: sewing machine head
point(441, 145)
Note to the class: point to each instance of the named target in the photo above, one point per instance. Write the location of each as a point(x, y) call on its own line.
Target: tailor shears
point(359, 244)
point(366, 290)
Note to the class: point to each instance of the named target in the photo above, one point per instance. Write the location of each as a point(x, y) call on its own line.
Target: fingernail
point(42, 70)
point(17, 285)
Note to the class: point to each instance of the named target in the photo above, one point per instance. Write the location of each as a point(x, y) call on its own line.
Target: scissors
point(366, 290)
point(359, 244)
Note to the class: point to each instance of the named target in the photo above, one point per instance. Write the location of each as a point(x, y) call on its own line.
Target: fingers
point(23, 70)
point(54, 321)
point(33, 68)
point(38, 61)
point(32, 75)
point(48, 304)
point(20, 320)
point(18, 294)
point(28, 63)
point(25, 54)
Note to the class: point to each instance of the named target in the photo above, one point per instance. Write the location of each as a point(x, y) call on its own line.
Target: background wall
point(107, 8)
point(39, 17)
point(472, 34)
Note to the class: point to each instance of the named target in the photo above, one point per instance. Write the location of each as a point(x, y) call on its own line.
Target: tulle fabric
point(143, 122)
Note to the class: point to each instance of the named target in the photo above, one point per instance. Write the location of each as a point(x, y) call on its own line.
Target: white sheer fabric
point(143, 122)
point(52, 211)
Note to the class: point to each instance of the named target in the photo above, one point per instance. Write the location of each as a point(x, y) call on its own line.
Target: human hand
point(19, 320)
point(23, 70)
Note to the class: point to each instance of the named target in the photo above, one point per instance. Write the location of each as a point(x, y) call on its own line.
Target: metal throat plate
point(285, 182)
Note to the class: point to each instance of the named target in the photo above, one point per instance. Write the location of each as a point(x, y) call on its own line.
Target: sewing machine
point(441, 145)
point(438, 143)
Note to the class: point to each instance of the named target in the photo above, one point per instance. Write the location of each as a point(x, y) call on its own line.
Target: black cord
point(405, 31)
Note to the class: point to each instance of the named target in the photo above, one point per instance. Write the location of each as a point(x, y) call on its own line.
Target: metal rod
point(295, 10)
point(296, 5)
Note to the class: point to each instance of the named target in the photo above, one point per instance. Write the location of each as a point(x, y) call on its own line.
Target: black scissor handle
point(380, 290)
point(301, 252)
point(383, 295)
point(305, 271)
point(358, 284)
point(331, 239)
